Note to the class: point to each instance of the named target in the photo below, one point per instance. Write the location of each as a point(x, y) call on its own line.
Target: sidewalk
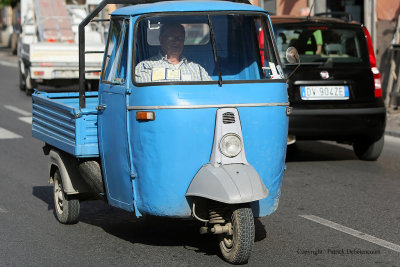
point(393, 123)
point(7, 58)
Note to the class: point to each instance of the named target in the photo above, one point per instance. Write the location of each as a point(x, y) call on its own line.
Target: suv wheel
point(367, 150)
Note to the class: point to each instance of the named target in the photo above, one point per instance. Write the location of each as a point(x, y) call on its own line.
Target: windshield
point(322, 44)
point(205, 48)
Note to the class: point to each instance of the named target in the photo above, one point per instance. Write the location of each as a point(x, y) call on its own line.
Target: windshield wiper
point(214, 46)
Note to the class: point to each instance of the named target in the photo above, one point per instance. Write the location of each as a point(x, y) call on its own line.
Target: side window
point(115, 63)
point(270, 62)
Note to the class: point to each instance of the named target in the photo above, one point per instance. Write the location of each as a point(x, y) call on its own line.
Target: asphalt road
point(334, 211)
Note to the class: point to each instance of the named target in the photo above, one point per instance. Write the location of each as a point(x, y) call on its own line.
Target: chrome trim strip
point(285, 104)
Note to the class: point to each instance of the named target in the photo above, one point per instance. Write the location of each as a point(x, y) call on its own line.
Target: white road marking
point(18, 110)
point(8, 64)
point(26, 119)
point(6, 134)
point(3, 210)
point(352, 232)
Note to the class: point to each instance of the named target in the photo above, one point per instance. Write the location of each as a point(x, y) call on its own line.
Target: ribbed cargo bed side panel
point(58, 122)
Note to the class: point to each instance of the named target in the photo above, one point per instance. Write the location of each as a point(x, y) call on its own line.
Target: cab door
point(112, 126)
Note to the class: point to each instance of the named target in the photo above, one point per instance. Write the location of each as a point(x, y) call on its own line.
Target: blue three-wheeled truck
point(190, 120)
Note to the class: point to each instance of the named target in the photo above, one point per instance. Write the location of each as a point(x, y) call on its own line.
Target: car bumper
point(337, 124)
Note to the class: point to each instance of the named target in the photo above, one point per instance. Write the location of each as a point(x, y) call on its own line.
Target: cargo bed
point(58, 121)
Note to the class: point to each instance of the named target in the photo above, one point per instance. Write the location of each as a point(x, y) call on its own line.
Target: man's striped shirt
point(158, 69)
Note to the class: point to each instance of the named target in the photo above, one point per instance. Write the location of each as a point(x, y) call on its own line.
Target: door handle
point(101, 107)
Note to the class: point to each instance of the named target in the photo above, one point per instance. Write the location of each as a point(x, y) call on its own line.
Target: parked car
point(336, 92)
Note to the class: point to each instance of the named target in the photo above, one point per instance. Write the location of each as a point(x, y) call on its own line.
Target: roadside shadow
point(319, 151)
point(149, 230)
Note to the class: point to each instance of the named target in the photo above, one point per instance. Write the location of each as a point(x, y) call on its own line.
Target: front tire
point(369, 150)
point(236, 248)
point(67, 210)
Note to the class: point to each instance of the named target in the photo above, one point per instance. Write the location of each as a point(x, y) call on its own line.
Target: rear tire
point(236, 248)
point(22, 83)
point(67, 210)
point(29, 83)
point(367, 150)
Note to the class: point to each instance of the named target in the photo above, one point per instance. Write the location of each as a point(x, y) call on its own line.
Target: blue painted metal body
point(148, 166)
point(168, 152)
point(185, 6)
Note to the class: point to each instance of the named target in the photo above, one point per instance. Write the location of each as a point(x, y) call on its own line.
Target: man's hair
point(170, 25)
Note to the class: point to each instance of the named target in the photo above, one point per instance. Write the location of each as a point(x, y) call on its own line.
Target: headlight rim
point(240, 147)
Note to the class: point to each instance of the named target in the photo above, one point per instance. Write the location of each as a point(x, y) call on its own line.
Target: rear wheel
point(29, 83)
point(236, 247)
point(369, 150)
point(22, 83)
point(67, 210)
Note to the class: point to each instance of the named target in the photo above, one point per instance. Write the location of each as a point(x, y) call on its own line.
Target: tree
point(12, 3)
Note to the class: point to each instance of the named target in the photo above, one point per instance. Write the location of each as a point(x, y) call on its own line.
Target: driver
point(169, 64)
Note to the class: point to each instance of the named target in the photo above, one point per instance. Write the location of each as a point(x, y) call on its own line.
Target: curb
point(392, 133)
point(7, 58)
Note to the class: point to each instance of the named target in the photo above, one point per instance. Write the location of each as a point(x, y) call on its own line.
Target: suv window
point(336, 44)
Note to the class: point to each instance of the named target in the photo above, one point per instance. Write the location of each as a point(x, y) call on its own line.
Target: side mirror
point(292, 56)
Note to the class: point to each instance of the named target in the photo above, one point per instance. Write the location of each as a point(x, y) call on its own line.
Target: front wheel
point(236, 247)
point(67, 210)
point(369, 150)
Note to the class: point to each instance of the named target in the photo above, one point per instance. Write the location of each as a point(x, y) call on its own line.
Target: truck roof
point(187, 6)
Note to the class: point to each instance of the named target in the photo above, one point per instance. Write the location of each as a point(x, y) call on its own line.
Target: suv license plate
point(324, 92)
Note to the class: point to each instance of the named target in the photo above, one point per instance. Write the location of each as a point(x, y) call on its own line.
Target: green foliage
point(11, 3)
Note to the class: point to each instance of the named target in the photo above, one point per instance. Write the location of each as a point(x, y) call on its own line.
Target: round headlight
point(230, 145)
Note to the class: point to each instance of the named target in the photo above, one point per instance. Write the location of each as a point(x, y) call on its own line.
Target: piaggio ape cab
point(203, 139)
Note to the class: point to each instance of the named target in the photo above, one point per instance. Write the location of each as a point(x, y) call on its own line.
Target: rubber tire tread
point(22, 84)
point(21, 81)
point(369, 151)
point(243, 236)
point(29, 91)
point(71, 209)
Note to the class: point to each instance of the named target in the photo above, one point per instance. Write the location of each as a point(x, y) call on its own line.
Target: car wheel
point(369, 150)
point(67, 210)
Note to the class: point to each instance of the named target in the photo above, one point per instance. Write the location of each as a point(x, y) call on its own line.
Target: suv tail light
point(372, 62)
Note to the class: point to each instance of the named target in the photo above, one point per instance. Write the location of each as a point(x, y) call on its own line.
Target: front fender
point(231, 184)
